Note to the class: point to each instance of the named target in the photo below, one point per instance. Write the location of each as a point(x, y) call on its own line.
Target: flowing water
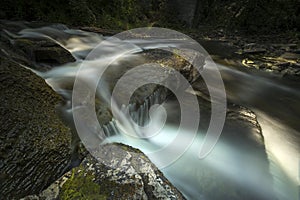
point(274, 100)
point(276, 104)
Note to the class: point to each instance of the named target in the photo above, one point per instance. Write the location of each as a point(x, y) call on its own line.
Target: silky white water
point(275, 102)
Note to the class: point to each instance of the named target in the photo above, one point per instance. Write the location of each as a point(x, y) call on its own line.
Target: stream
point(273, 99)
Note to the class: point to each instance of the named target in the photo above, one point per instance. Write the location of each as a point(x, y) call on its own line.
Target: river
point(275, 101)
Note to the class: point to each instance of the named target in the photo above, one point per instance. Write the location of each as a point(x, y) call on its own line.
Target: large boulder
point(119, 172)
point(35, 146)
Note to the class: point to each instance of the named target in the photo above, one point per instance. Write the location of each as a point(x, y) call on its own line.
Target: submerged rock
point(40, 52)
point(120, 172)
point(35, 145)
point(44, 51)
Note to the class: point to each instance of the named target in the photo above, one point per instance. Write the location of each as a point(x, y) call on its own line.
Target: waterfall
point(139, 113)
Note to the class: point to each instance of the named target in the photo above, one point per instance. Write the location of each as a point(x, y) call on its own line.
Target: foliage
point(113, 14)
point(248, 15)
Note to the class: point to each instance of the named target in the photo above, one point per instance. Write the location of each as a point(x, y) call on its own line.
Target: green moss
point(84, 185)
point(81, 186)
point(32, 132)
point(112, 14)
point(128, 148)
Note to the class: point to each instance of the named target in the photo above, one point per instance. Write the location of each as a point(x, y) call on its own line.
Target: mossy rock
point(35, 145)
point(81, 186)
point(120, 172)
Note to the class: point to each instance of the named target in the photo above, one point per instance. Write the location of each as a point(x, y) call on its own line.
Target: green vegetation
point(112, 14)
point(250, 16)
point(84, 184)
point(81, 186)
point(34, 141)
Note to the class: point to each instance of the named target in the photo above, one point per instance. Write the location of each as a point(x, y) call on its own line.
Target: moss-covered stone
point(34, 144)
point(81, 185)
point(120, 172)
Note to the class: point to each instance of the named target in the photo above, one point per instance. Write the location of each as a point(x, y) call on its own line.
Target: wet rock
point(168, 61)
point(35, 145)
point(285, 46)
point(290, 56)
point(286, 64)
point(120, 172)
point(275, 68)
point(265, 51)
point(173, 60)
point(44, 52)
point(254, 51)
point(291, 72)
point(282, 65)
point(252, 48)
point(54, 55)
point(37, 53)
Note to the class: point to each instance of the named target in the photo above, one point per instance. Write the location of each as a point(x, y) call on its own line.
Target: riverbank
point(277, 53)
point(274, 53)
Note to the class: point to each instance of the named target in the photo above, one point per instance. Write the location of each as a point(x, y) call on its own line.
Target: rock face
point(34, 144)
point(123, 173)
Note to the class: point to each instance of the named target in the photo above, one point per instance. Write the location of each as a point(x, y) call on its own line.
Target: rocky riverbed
point(277, 53)
point(38, 147)
point(120, 172)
